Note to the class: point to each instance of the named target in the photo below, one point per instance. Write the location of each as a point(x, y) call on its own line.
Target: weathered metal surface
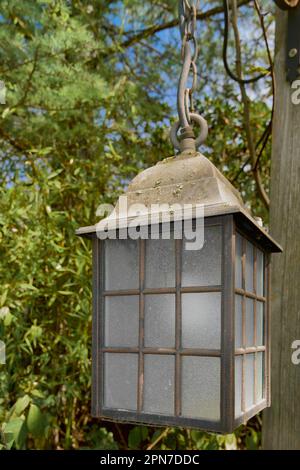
point(189, 178)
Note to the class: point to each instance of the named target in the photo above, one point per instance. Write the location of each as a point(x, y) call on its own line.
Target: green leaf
point(36, 421)
point(136, 436)
point(21, 404)
point(252, 440)
point(6, 316)
point(54, 174)
point(3, 312)
point(15, 432)
point(37, 393)
point(230, 442)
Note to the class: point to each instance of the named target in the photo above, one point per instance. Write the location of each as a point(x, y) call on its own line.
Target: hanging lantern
point(181, 322)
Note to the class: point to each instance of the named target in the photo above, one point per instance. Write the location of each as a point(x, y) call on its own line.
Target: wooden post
point(281, 423)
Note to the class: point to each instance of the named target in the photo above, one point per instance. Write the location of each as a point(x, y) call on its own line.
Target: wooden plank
point(281, 422)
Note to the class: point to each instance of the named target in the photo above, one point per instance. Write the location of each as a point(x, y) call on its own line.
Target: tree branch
point(17, 145)
point(270, 125)
point(118, 428)
point(246, 103)
point(150, 31)
point(160, 437)
point(29, 80)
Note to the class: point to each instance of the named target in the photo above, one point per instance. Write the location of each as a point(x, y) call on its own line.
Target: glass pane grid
point(249, 338)
point(150, 352)
point(160, 263)
point(203, 266)
point(163, 290)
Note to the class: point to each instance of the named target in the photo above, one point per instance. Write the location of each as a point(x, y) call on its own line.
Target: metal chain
point(185, 104)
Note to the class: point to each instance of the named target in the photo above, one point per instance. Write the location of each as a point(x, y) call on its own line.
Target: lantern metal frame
point(223, 207)
point(228, 422)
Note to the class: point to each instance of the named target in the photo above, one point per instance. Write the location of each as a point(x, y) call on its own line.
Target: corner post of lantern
point(141, 324)
point(267, 281)
point(181, 337)
point(178, 321)
point(227, 326)
point(96, 326)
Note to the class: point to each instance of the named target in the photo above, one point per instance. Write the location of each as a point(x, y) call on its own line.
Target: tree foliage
point(90, 93)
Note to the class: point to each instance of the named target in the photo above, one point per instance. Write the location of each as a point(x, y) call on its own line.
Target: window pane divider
point(178, 328)
point(140, 387)
point(249, 350)
point(251, 295)
point(201, 289)
point(111, 293)
point(181, 352)
point(164, 290)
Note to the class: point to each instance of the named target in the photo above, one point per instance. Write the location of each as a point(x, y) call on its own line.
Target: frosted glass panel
point(249, 266)
point(260, 375)
point(249, 380)
point(238, 261)
point(203, 267)
point(160, 263)
point(259, 273)
point(238, 385)
point(121, 322)
point(201, 387)
point(238, 321)
point(159, 384)
point(249, 322)
point(160, 320)
point(121, 264)
point(259, 323)
point(201, 320)
point(120, 381)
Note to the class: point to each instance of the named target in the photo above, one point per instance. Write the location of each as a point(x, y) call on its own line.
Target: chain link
point(189, 54)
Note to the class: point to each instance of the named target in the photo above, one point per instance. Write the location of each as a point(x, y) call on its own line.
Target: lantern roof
point(188, 179)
